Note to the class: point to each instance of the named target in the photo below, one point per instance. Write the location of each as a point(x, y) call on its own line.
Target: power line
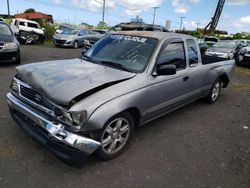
point(197, 25)
point(8, 6)
point(182, 18)
point(103, 11)
point(154, 14)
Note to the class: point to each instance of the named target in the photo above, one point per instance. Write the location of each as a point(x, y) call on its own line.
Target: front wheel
point(214, 92)
point(115, 136)
point(75, 45)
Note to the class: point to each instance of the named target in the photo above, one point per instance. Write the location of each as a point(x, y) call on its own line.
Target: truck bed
point(211, 59)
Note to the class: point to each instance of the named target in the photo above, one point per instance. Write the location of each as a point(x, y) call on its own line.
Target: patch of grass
point(48, 43)
point(243, 71)
point(242, 86)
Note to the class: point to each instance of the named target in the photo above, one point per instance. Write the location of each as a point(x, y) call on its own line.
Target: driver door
point(168, 92)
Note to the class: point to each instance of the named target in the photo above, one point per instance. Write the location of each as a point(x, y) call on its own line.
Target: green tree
point(237, 36)
point(30, 10)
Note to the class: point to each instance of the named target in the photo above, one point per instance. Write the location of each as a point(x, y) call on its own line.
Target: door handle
point(185, 78)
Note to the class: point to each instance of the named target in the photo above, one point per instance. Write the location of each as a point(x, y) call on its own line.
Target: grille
point(8, 56)
point(34, 96)
point(60, 41)
point(1, 46)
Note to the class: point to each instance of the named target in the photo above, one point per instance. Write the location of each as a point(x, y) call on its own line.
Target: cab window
point(192, 53)
point(173, 54)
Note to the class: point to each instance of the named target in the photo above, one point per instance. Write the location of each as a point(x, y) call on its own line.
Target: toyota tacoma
point(92, 104)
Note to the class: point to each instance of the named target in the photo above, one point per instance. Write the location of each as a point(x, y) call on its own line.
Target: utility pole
point(103, 11)
point(182, 17)
point(197, 25)
point(154, 14)
point(8, 6)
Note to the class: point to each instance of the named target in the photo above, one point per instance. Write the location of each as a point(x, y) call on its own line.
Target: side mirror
point(166, 70)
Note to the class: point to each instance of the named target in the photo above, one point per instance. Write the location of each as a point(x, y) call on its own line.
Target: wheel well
point(225, 80)
point(135, 113)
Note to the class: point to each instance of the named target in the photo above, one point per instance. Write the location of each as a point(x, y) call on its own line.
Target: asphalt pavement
point(199, 145)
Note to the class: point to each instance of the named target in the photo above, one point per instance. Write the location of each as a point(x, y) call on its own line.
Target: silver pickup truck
point(92, 104)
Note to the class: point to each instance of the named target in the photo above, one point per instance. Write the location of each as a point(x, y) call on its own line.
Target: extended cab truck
point(92, 104)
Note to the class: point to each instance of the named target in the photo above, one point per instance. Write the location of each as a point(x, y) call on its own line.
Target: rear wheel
point(115, 136)
point(214, 92)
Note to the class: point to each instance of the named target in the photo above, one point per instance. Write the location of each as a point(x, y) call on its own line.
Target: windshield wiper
point(116, 65)
point(90, 59)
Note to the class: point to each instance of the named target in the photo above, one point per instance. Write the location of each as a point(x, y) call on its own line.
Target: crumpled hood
point(63, 80)
point(219, 50)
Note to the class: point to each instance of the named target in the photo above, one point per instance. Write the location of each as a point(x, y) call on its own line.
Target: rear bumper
point(69, 147)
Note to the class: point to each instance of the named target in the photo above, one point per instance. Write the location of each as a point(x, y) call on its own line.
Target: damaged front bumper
point(70, 147)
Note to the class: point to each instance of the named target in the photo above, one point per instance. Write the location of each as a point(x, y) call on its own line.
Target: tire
point(18, 61)
point(75, 45)
point(238, 60)
point(214, 93)
point(113, 139)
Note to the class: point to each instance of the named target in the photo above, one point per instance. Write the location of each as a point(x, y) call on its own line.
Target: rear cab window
point(192, 53)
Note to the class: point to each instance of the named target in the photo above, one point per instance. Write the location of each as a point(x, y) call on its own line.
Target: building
point(6, 16)
point(35, 16)
point(168, 25)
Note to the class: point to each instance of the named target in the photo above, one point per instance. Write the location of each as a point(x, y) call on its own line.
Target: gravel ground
point(199, 145)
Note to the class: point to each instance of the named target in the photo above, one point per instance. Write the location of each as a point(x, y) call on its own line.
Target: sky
point(235, 16)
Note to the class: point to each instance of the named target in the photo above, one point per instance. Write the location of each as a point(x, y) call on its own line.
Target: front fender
point(103, 113)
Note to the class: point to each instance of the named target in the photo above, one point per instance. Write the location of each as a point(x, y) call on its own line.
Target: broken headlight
point(75, 119)
point(14, 85)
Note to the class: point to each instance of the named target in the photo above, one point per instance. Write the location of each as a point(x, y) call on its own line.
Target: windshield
point(33, 25)
point(130, 52)
point(5, 30)
point(225, 44)
point(69, 32)
point(62, 27)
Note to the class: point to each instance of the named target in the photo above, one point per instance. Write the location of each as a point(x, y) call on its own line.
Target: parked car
point(225, 48)
point(124, 26)
point(62, 27)
point(203, 45)
point(211, 40)
point(131, 26)
point(92, 104)
point(243, 57)
point(72, 38)
point(27, 31)
point(243, 42)
point(9, 46)
point(100, 31)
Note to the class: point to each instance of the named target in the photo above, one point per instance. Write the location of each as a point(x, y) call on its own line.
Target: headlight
point(10, 46)
point(76, 119)
point(14, 85)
